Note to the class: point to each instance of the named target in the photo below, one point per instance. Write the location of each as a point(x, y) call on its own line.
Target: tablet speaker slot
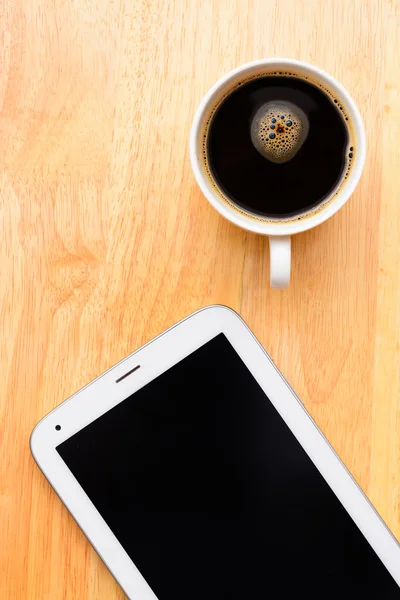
point(127, 374)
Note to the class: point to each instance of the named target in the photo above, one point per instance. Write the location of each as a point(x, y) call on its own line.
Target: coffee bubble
point(278, 130)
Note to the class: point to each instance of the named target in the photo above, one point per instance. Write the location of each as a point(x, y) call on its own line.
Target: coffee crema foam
point(279, 130)
point(289, 127)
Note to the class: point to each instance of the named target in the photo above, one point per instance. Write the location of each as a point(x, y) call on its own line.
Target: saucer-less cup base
point(279, 232)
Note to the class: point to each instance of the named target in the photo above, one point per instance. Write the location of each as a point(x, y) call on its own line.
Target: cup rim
point(285, 227)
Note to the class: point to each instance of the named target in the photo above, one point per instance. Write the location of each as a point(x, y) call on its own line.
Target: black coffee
point(278, 146)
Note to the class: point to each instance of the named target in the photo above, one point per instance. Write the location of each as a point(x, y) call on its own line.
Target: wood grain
point(106, 239)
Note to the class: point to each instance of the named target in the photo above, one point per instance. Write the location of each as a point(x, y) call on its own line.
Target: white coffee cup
point(279, 231)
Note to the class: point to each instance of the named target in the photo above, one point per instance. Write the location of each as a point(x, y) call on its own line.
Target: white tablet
point(196, 473)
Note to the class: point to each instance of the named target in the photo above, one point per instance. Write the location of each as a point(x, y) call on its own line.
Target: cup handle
point(279, 250)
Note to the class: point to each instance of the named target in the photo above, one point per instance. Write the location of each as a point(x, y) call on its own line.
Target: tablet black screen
point(212, 496)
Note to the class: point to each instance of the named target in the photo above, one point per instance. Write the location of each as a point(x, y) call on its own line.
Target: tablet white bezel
point(154, 358)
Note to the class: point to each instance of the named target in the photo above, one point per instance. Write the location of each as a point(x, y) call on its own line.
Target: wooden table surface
point(106, 239)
